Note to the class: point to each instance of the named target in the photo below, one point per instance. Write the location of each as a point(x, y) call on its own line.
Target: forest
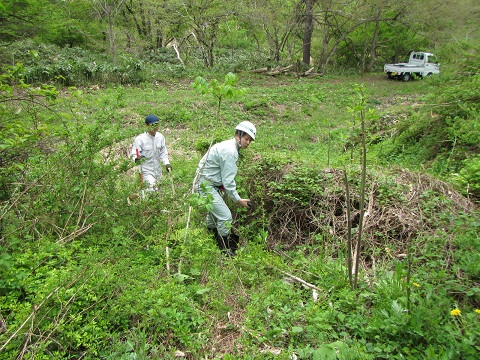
point(363, 239)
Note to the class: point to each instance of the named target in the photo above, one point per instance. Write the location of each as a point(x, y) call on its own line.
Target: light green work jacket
point(219, 167)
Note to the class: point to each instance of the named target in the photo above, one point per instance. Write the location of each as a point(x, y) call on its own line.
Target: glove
point(169, 167)
point(139, 160)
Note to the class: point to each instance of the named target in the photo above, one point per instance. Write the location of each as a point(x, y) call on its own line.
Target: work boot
point(226, 246)
point(228, 243)
point(218, 238)
point(231, 244)
point(221, 241)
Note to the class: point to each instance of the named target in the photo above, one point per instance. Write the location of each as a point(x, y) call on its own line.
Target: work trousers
point(220, 217)
point(150, 182)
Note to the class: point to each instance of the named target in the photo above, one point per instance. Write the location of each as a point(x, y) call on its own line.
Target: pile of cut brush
point(302, 205)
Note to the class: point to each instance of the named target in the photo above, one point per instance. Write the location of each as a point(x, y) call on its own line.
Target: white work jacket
point(153, 151)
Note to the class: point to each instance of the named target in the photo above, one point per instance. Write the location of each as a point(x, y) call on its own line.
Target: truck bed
point(403, 67)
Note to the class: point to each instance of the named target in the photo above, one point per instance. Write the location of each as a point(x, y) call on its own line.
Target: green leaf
point(297, 329)
point(202, 291)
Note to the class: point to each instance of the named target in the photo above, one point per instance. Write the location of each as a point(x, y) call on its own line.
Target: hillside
point(88, 274)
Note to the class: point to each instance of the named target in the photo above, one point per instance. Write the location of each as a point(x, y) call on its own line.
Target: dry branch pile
point(400, 205)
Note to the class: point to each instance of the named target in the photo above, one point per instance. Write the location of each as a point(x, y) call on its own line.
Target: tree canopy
point(332, 34)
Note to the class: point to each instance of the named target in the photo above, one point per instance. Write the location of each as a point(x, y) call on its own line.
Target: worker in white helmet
point(216, 174)
point(149, 151)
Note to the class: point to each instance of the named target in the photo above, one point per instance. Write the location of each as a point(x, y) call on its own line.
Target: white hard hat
point(247, 127)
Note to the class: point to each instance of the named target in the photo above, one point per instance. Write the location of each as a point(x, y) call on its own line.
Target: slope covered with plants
point(363, 242)
point(87, 271)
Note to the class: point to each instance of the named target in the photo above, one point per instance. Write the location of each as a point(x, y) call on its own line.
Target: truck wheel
point(407, 77)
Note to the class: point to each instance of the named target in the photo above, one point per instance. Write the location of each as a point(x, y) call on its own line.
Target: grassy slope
point(248, 307)
point(301, 120)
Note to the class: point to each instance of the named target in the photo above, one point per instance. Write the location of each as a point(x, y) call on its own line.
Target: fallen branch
point(279, 70)
point(261, 70)
point(306, 73)
point(303, 282)
point(287, 69)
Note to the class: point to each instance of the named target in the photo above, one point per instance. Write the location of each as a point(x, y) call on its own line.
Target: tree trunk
point(307, 36)
point(111, 37)
point(373, 49)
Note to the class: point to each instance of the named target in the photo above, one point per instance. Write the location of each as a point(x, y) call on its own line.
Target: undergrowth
point(87, 271)
point(443, 134)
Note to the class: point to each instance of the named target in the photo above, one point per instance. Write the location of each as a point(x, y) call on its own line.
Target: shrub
point(469, 176)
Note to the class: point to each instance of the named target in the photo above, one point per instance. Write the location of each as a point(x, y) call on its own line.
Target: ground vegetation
point(88, 271)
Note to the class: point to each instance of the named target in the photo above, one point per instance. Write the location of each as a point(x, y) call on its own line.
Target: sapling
point(358, 110)
point(349, 231)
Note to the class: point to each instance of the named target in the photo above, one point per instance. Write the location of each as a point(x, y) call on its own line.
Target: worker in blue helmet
point(149, 150)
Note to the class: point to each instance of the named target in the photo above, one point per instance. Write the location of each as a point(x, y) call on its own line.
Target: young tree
point(108, 10)
point(155, 23)
point(202, 19)
point(20, 128)
point(274, 22)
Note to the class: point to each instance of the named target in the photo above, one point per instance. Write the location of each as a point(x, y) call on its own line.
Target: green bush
point(469, 176)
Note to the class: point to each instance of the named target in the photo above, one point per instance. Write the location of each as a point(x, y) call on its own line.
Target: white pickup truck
point(420, 64)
